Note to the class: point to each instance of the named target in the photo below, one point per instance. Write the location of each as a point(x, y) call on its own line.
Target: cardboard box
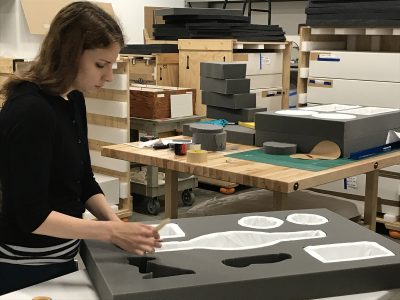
point(271, 99)
point(342, 91)
point(261, 63)
point(40, 13)
point(375, 66)
point(154, 102)
point(265, 81)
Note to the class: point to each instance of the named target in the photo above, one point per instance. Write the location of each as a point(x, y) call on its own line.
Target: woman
point(45, 168)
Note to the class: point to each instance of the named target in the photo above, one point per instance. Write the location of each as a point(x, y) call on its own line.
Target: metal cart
point(150, 191)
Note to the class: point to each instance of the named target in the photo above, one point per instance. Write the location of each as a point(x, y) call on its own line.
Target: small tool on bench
point(162, 224)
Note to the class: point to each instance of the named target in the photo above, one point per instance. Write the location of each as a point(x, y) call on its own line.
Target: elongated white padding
point(239, 240)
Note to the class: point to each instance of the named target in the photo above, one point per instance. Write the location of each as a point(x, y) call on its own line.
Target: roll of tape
point(197, 156)
point(194, 147)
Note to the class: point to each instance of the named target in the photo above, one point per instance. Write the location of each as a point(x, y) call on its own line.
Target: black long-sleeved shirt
point(44, 166)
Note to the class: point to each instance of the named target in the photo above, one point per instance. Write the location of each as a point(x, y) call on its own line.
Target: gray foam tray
point(225, 86)
point(240, 135)
point(306, 131)
point(233, 101)
point(233, 115)
point(299, 276)
point(222, 70)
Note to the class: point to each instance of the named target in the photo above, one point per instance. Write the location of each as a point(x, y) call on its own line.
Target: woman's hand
point(135, 237)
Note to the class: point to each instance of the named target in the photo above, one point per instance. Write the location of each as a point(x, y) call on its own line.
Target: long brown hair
point(77, 27)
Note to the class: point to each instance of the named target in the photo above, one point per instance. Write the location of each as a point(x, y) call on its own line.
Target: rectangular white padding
point(108, 163)
point(108, 134)
point(120, 82)
point(333, 253)
point(87, 215)
point(107, 108)
point(110, 187)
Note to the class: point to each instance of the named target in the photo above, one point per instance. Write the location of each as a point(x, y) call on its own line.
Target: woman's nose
point(108, 75)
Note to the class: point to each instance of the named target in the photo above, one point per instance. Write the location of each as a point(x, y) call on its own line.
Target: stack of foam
point(226, 92)
point(210, 137)
point(353, 13)
point(149, 49)
point(189, 23)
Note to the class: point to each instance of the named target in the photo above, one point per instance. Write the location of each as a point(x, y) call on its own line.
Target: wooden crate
point(194, 51)
point(351, 39)
point(8, 65)
point(153, 102)
point(156, 69)
point(7, 68)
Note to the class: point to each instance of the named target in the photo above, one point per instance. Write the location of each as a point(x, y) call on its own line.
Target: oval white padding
point(306, 219)
point(260, 222)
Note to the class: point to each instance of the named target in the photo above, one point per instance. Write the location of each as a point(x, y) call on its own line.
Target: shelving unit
point(351, 39)
point(109, 123)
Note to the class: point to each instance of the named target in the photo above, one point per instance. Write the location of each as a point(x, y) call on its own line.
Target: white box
point(271, 99)
point(110, 187)
point(375, 66)
point(265, 81)
point(263, 63)
point(181, 105)
point(355, 92)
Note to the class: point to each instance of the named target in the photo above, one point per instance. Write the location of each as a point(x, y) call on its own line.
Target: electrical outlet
point(352, 182)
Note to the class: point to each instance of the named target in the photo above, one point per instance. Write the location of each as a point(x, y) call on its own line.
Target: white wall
point(16, 40)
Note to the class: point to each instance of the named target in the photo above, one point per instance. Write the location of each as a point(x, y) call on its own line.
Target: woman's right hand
point(134, 237)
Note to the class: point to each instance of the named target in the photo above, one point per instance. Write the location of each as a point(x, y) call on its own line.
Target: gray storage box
point(352, 135)
point(222, 70)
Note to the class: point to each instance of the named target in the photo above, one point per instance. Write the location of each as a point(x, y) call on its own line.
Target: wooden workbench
point(280, 180)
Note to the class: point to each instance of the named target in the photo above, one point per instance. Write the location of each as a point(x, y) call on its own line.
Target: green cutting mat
point(284, 160)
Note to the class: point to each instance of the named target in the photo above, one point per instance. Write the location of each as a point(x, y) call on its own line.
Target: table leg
point(278, 199)
point(171, 194)
point(371, 199)
point(152, 176)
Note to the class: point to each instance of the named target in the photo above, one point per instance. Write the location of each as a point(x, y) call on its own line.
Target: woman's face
point(95, 68)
